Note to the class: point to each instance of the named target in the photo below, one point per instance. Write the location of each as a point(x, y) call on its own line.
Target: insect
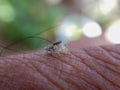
point(55, 47)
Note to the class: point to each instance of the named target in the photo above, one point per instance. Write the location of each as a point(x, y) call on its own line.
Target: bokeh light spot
point(106, 6)
point(113, 32)
point(92, 29)
point(69, 31)
point(7, 13)
point(54, 1)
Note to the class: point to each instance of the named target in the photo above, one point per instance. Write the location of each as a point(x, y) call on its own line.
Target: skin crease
point(93, 68)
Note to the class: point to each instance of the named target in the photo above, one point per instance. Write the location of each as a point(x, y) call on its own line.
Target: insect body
point(56, 47)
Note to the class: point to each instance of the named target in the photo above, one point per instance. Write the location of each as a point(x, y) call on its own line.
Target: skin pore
point(93, 68)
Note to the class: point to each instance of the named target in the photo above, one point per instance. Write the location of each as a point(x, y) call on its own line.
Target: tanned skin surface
point(93, 68)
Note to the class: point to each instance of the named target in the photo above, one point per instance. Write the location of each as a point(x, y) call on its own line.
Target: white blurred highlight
point(106, 6)
point(54, 1)
point(92, 29)
point(113, 33)
point(7, 13)
point(68, 31)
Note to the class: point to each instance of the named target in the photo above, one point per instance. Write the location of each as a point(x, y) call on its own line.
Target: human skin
point(93, 68)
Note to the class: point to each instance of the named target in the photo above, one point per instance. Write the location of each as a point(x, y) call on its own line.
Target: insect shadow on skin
point(55, 47)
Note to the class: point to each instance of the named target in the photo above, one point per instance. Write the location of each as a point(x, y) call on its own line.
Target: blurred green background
point(72, 21)
point(22, 18)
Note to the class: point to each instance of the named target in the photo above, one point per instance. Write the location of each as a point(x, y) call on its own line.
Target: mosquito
point(55, 47)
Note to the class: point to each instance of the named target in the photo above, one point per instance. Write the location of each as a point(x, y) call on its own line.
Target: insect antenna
point(25, 38)
point(20, 40)
point(8, 48)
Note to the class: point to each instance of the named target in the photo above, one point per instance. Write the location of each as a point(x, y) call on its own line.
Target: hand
point(94, 68)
